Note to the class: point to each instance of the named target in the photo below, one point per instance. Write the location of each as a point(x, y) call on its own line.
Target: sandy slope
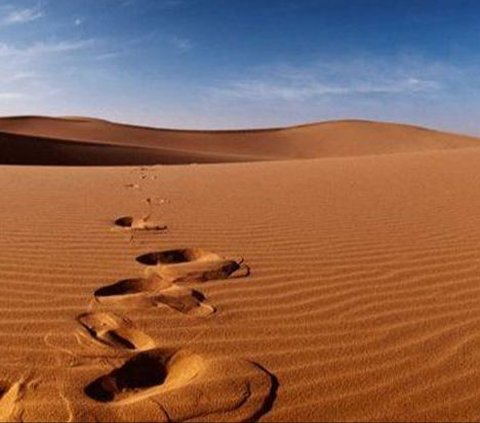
point(81, 141)
point(363, 301)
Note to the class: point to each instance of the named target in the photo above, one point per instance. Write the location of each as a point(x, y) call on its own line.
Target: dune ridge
point(38, 140)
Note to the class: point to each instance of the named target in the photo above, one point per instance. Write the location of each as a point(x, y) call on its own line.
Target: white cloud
point(182, 44)
point(20, 76)
point(19, 16)
point(108, 56)
point(78, 21)
point(11, 96)
point(258, 89)
point(347, 77)
point(159, 4)
point(42, 48)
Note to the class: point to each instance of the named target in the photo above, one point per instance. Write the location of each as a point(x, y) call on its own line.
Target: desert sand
point(331, 274)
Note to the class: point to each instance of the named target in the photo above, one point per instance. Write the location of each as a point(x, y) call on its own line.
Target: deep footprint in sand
point(114, 331)
point(155, 292)
point(182, 385)
point(129, 287)
point(138, 224)
point(192, 265)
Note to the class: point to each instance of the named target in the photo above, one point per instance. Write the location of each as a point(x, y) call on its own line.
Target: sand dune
point(81, 141)
point(324, 289)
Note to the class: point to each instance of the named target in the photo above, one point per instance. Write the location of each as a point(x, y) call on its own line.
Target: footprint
point(192, 265)
point(138, 293)
point(201, 272)
point(129, 222)
point(133, 186)
point(185, 301)
point(132, 286)
point(114, 331)
point(9, 397)
point(184, 385)
point(156, 201)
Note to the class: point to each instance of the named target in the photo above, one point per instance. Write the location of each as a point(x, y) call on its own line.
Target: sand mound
point(81, 141)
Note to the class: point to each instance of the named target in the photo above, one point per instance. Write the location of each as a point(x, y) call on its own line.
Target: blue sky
point(243, 63)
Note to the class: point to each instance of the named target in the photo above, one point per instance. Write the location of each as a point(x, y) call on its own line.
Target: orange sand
point(324, 289)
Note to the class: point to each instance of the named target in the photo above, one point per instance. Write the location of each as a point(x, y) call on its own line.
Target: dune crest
point(39, 140)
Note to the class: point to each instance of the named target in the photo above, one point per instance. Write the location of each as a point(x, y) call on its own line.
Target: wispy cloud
point(11, 96)
point(108, 56)
point(19, 16)
point(181, 44)
point(349, 77)
point(147, 40)
point(159, 4)
point(78, 21)
point(43, 48)
point(20, 76)
point(302, 91)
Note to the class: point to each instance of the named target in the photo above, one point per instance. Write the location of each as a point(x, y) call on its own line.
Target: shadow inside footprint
point(176, 256)
point(124, 222)
point(146, 370)
point(142, 224)
point(114, 331)
point(141, 372)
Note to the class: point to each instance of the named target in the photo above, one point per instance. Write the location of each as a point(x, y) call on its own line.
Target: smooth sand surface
point(327, 289)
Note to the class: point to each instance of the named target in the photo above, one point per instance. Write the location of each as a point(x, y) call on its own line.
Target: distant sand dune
point(81, 141)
